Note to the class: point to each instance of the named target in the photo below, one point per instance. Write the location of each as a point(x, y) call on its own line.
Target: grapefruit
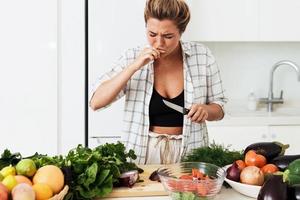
point(50, 175)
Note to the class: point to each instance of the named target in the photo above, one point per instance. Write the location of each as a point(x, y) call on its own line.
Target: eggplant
point(282, 162)
point(68, 177)
point(273, 189)
point(268, 149)
point(294, 192)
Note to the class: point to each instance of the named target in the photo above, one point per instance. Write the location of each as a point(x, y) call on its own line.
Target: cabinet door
point(28, 78)
point(230, 20)
point(238, 137)
point(279, 20)
point(287, 135)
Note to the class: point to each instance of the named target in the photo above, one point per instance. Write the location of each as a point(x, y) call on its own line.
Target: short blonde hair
point(175, 10)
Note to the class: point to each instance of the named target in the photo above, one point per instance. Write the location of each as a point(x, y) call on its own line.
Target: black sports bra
point(162, 115)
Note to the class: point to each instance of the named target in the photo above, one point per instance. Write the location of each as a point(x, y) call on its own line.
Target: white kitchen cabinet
point(28, 78)
point(239, 137)
point(287, 135)
point(279, 20)
point(244, 20)
point(215, 20)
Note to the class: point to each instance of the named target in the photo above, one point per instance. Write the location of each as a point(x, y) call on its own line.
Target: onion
point(233, 172)
point(128, 179)
point(252, 175)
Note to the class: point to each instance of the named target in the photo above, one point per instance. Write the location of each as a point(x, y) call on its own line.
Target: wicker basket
point(61, 195)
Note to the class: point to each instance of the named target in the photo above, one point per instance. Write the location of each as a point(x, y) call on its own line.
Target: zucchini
point(292, 173)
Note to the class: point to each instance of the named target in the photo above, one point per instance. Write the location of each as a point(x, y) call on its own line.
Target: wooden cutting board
point(146, 188)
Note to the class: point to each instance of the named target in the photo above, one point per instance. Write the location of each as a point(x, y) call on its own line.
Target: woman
point(184, 73)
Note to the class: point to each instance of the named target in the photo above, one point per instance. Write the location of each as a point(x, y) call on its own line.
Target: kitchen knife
point(176, 107)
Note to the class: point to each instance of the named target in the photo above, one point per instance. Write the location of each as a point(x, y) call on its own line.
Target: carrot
point(185, 176)
point(197, 174)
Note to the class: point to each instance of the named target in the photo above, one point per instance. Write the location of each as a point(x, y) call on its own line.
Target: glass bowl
point(182, 180)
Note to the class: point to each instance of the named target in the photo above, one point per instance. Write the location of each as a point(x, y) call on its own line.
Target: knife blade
point(176, 107)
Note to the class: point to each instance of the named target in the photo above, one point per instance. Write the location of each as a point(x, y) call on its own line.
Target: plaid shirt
point(202, 85)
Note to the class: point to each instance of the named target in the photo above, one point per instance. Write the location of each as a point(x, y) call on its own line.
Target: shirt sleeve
point(118, 66)
point(215, 90)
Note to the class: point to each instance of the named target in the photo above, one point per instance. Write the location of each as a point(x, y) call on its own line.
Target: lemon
point(8, 170)
point(42, 191)
point(10, 182)
point(26, 167)
point(1, 177)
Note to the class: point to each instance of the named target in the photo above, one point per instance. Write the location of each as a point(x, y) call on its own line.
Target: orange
point(42, 191)
point(23, 179)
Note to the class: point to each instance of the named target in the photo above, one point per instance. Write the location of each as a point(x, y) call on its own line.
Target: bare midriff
point(166, 130)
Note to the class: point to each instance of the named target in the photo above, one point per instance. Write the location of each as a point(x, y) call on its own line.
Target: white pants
point(163, 148)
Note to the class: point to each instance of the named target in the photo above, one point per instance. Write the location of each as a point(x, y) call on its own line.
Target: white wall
point(28, 76)
point(71, 75)
point(245, 66)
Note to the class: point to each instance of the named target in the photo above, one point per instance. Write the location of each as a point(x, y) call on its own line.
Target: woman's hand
point(147, 55)
point(198, 113)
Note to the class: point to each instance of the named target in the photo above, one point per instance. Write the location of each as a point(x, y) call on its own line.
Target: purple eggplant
point(294, 192)
point(282, 162)
point(273, 189)
point(268, 149)
point(233, 172)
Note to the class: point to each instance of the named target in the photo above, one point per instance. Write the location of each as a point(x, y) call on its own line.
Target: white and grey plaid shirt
point(202, 85)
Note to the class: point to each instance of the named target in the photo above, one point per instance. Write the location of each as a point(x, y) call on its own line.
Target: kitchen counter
point(225, 194)
point(238, 114)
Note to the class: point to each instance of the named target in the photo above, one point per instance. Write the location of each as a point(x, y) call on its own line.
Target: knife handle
point(185, 111)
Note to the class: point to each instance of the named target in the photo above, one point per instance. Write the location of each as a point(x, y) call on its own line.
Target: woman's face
point(163, 35)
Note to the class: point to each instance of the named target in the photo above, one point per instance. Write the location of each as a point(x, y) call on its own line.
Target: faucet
point(270, 100)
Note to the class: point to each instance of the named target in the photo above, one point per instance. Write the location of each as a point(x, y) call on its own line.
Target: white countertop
point(225, 194)
point(237, 113)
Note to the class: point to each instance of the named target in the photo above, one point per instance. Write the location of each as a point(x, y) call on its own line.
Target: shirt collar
point(186, 47)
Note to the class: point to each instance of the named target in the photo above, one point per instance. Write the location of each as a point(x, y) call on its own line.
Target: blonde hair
point(175, 10)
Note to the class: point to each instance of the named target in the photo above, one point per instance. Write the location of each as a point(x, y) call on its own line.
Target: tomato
point(254, 159)
point(269, 168)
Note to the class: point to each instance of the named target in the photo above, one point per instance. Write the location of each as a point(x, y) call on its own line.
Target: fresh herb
point(214, 153)
point(8, 158)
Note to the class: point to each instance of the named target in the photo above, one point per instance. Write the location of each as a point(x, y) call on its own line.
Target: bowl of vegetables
point(192, 180)
point(247, 176)
point(243, 188)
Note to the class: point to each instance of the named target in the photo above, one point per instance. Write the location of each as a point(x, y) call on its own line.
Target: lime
point(8, 170)
point(10, 182)
point(26, 167)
